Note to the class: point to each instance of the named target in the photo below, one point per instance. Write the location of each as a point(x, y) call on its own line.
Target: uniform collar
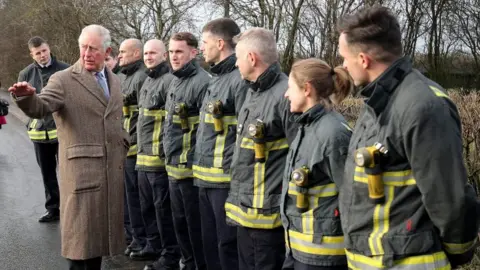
point(189, 69)
point(159, 70)
point(116, 69)
point(312, 114)
point(267, 79)
point(132, 67)
point(49, 64)
point(227, 65)
point(378, 92)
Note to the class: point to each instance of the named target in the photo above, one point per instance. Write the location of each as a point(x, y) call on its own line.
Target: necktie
point(103, 84)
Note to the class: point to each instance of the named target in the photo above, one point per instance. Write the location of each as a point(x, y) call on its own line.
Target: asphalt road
point(24, 243)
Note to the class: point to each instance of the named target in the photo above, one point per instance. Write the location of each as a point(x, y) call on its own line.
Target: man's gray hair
point(101, 31)
point(261, 41)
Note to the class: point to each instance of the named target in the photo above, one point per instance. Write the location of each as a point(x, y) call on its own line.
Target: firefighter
point(130, 60)
point(215, 142)
point(253, 204)
point(315, 165)
point(43, 132)
point(152, 176)
point(183, 105)
point(405, 202)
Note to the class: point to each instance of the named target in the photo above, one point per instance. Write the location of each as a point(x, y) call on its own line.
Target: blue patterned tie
point(101, 81)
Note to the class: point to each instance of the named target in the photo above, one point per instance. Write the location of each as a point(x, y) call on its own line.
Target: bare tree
point(260, 13)
point(294, 17)
point(413, 14)
point(466, 28)
point(436, 12)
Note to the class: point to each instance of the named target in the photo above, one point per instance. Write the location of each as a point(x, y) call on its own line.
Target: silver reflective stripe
point(435, 261)
point(208, 174)
point(242, 216)
point(312, 245)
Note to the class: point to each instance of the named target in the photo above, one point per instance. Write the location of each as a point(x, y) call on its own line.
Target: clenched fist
point(20, 89)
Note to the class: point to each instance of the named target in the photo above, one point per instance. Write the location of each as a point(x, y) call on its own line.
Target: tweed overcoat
point(92, 148)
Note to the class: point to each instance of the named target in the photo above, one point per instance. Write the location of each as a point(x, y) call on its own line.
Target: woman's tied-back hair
point(333, 84)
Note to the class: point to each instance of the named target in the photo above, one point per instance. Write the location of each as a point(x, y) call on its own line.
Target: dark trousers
point(292, 264)
point(260, 249)
point(219, 239)
point(133, 201)
point(126, 219)
point(46, 154)
point(90, 264)
point(186, 220)
point(157, 215)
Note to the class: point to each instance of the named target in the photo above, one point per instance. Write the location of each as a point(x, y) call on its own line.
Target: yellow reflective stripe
point(219, 147)
point(277, 145)
point(381, 222)
point(269, 146)
point(437, 261)
point(397, 179)
point(179, 172)
point(452, 248)
point(258, 185)
point(153, 113)
point(42, 134)
point(157, 127)
point(313, 194)
point(307, 217)
point(253, 219)
point(37, 135)
point(128, 112)
point(347, 126)
point(191, 119)
point(186, 141)
point(210, 174)
point(228, 120)
point(438, 92)
point(328, 190)
point(52, 134)
point(150, 161)
point(187, 137)
point(330, 245)
point(33, 124)
point(126, 124)
point(220, 139)
point(132, 151)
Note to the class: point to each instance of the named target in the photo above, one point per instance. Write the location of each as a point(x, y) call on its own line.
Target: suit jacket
point(91, 155)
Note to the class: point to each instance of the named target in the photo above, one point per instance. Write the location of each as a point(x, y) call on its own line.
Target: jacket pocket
point(411, 244)
point(270, 205)
point(86, 167)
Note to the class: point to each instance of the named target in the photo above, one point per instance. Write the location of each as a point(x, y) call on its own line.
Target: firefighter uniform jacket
point(41, 130)
point(135, 75)
point(151, 106)
point(429, 213)
point(256, 185)
point(214, 149)
point(313, 175)
point(183, 104)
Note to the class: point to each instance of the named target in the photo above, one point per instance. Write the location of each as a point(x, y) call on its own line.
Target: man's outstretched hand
point(20, 89)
